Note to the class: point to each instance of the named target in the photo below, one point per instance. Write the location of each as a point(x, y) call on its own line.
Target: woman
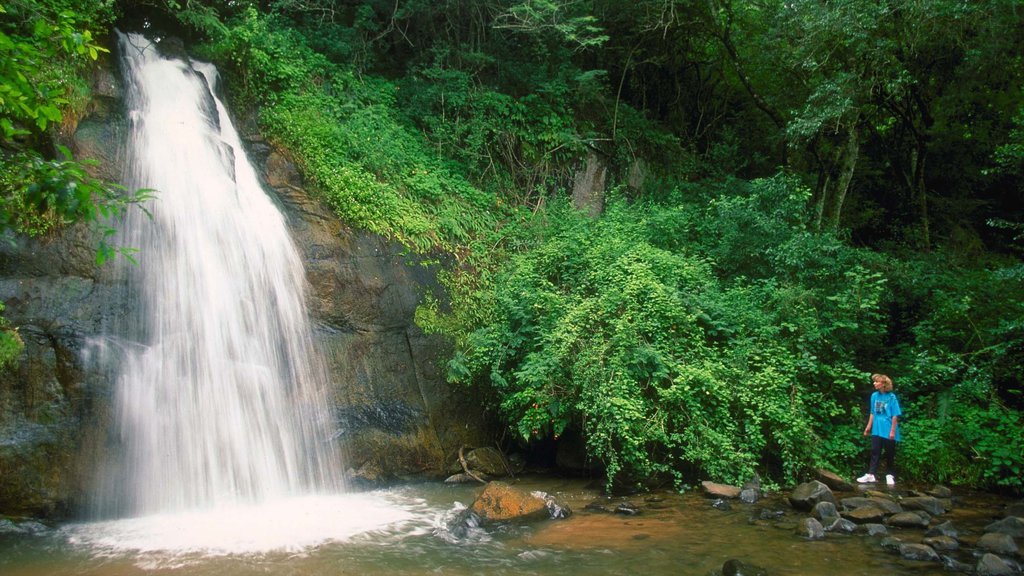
point(882, 426)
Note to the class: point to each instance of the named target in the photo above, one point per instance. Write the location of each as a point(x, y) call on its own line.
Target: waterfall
point(221, 398)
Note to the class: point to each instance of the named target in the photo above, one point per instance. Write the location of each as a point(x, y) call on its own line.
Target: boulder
point(865, 515)
point(810, 529)
point(929, 504)
point(806, 495)
point(500, 502)
point(918, 552)
point(885, 504)
point(1011, 525)
point(873, 529)
point(488, 460)
point(907, 520)
point(825, 510)
point(841, 525)
point(992, 565)
point(941, 542)
point(940, 491)
point(834, 481)
point(714, 490)
point(998, 543)
point(944, 529)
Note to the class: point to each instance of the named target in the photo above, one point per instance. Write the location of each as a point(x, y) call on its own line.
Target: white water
point(222, 404)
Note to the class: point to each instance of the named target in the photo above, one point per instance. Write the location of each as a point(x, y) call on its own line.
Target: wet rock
point(810, 529)
point(806, 495)
point(715, 490)
point(865, 515)
point(598, 507)
point(998, 543)
point(918, 552)
point(875, 529)
point(944, 529)
point(891, 543)
point(751, 490)
point(1011, 525)
point(841, 525)
point(929, 504)
point(953, 565)
point(907, 520)
point(992, 565)
point(885, 504)
point(767, 514)
point(500, 502)
point(942, 542)
point(627, 509)
point(735, 567)
point(940, 491)
point(721, 504)
point(556, 510)
point(834, 481)
point(488, 460)
point(825, 510)
point(464, 478)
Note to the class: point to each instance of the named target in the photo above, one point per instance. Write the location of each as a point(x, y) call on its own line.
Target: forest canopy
point(791, 195)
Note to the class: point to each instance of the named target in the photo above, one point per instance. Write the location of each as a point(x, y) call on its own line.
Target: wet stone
point(750, 495)
point(940, 491)
point(841, 525)
point(891, 543)
point(875, 529)
point(865, 515)
point(767, 514)
point(918, 552)
point(834, 481)
point(806, 495)
point(944, 529)
point(721, 504)
point(942, 543)
point(929, 504)
point(1011, 525)
point(884, 504)
point(998, 543)
point(823, 510)
point(907, 520)
point(992, 565)
point(810, 529)
point(716, 490)
point(627, 509)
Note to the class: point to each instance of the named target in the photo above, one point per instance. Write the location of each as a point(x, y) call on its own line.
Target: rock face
point(396, 414)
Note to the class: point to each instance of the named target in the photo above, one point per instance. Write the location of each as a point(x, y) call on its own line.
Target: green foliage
point(10, 342)
point(334, 125)
point(622, 329)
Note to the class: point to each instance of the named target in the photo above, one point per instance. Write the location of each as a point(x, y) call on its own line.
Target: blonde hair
point(885, 380)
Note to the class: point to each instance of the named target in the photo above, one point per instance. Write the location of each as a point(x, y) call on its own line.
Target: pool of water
point(423, 529)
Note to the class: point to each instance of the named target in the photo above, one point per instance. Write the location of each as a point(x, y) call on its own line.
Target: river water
point(421, 529)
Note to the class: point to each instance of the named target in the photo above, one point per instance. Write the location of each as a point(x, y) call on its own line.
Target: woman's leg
point(876, 451)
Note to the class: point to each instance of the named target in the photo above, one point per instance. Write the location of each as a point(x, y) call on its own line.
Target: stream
point(422, 529)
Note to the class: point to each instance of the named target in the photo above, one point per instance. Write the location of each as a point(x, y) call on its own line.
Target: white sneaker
point(866, 479)
point(890, 480)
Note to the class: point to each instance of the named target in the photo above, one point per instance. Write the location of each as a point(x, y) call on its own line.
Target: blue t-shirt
point(884, 406)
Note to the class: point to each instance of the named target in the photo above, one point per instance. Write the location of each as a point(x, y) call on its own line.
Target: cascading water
point(222, 399)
